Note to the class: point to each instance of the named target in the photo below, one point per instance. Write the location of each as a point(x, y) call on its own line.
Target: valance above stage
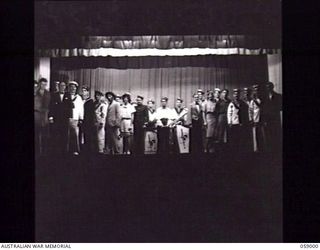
point(104, 52)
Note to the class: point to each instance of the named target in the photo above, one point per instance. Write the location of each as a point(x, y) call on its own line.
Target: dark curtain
point(154, 77)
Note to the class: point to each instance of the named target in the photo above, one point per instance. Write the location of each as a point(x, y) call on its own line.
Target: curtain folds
point(154, 78)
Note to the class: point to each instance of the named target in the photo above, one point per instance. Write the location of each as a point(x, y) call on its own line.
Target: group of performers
point(67, 122)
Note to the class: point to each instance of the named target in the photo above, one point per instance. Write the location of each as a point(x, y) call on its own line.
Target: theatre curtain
point(162, 76)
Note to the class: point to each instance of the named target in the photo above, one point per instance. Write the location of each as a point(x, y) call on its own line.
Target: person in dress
point(210, 121)
point(126, 125)
point(222, 123)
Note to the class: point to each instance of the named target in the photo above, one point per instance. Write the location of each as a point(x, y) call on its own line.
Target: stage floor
point(211, 198)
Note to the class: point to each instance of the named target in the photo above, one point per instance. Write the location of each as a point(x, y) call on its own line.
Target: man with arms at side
point(41, 110)
point(76, 120)
point(196, 124)
point(99, 120)
point(112, 127)
point(88, 127)
point(140, 120)
point(60, 112)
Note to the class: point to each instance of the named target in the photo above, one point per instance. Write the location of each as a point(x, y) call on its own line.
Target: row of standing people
point(80, 123)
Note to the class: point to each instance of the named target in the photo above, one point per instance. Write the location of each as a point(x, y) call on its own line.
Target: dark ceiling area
point(61, 24)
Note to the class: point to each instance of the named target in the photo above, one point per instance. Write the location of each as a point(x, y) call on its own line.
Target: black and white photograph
point(158, 136)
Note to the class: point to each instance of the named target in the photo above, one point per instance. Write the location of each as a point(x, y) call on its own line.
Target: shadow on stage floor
point(209, 198)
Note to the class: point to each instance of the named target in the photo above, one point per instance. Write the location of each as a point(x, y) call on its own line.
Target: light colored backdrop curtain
point(171, 82)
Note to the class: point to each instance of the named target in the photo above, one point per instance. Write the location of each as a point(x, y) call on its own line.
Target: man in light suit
point(60, 112)
point(112, 127)
point(100, 114)
point(76, 120)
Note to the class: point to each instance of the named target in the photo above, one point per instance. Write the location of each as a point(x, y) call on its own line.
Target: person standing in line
point(60, 114)
point(140, 120)
point(180, 118)
point(203, 101)
point(87, 128)
point(99, 121)
point(246, 123)
point(272, 118)
point(180, 113)
point(76, 120)
point(165, 117)
point(152, 114)
point(237, 114)
point(196, 125)
point(126, 126)
point(222, 123)
point(112, 127)
point(41, 111)
point(210, 121)
point(256, 117)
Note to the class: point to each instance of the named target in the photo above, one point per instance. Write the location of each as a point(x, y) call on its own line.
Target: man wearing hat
point(222, 123)
point(76, 120)
point(140, 120)
point(237, 115)
point(112, 127)
point(165, 117)
point(60, 112)
point(99, 120)
point(255, 116)
point(196, 117)
point(272, 118)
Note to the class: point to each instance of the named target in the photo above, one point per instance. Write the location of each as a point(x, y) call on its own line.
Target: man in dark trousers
point(60, 112)
point(140, 119)
point(196, 124)
point(87, 128)
point(272, 118)
point(237, 115)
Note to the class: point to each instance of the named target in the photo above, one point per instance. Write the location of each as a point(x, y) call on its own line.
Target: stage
point(178, 198)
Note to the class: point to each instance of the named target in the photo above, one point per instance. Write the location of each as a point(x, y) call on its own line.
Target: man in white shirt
point(76, 120)
point(165, 117)
point(236, 116)
point(255, 110)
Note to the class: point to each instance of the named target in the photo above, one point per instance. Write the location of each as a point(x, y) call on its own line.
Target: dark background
point(301, 74)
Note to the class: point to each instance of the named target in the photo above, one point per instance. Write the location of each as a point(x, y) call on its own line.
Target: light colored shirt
point(126, 110)
point(77, 111)
point(167, 113)
point(233, 114)
point(255, 111)
point(100, 112)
